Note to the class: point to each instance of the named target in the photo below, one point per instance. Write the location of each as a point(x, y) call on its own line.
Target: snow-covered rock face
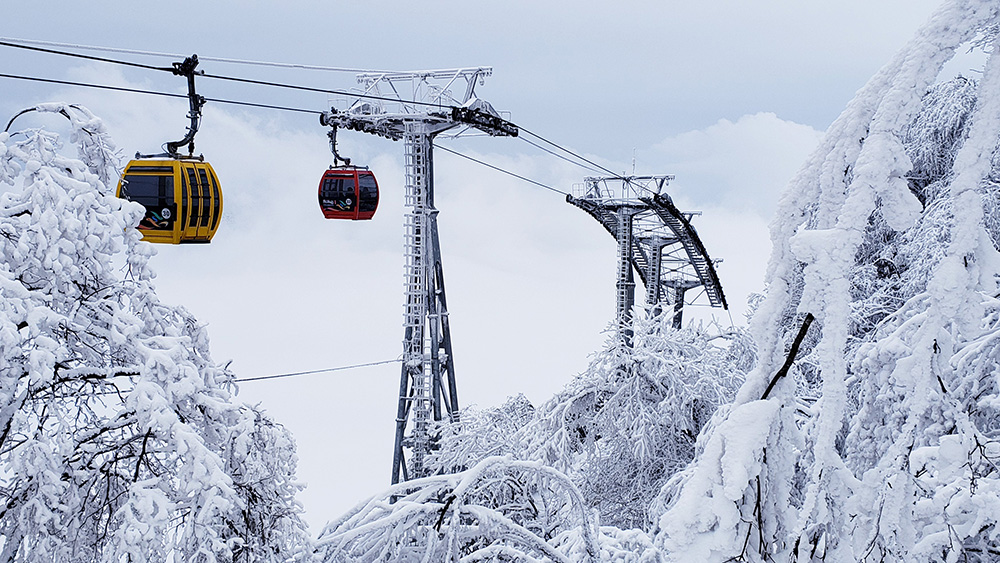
point(119, 436)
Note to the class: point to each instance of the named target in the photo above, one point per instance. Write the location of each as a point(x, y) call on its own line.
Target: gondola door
point(192, 225)
point(205, 193)
point(204, 201)
point(367, 194)
point(185, 199)
point(216, 200)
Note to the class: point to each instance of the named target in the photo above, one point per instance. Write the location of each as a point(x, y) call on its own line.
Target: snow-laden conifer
point(120, 439)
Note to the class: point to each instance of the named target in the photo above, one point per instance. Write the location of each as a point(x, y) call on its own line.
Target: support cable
point(155, 93)
point(29, 45)
point(310, 372)
point(498, 169)
point(229, 78)
point(86, 57)
point(557, 155)
point(119, 392)
point(176, 56)
point(320, 90)
point(583, 158)
point(253, 104)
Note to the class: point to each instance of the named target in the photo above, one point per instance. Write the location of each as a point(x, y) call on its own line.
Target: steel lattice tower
point(427, 387)
point(655, 239)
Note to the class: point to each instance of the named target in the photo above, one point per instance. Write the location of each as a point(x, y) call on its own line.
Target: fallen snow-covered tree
point(884, 447)
point(120, 439)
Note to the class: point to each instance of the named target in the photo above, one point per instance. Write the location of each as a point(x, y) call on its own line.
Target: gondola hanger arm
point(187, 68)
point(337, 159)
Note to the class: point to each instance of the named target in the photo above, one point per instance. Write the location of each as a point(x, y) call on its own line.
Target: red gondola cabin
point(346, 192)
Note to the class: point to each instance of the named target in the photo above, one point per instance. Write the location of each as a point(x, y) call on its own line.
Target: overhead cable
point(87, 57)
point(155, 93)
point(498, 169)
point(557, 155)
point(252, 104)
point(268, 106)
point(32, 45)
point(11, 43)
point(230, 78)
point(216, 59)
point(567, 151)
point(320, 90)
point(310, 372)
point(177, 56)
point(260, 378)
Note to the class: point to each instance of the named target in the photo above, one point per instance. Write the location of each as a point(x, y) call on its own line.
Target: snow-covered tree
point(883, 445)
point(570, 481)
point(498, 510)
point(120, 439)
point(623, 427)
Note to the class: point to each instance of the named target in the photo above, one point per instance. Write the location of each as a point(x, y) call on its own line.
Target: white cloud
point(734, 172)
point(742, 165)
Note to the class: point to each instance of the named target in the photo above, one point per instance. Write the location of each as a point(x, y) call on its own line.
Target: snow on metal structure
point(415, 107)
point(654, 238)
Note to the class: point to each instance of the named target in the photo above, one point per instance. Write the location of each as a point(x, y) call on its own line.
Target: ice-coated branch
point(792, 352)
point(497, 506)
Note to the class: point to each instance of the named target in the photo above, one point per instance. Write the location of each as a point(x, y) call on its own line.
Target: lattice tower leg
point(653, 288)
point(427, 380)
point(442, 363)
point(626, 281)
point(415, 399)
point(678, 306)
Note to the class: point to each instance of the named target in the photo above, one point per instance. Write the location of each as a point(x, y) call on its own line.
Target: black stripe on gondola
point(153, 169)
point(206, 194)
point(216, 201)
point(195, 197)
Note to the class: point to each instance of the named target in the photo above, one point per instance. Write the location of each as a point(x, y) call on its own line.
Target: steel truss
point(415, 107)
point(655, 239)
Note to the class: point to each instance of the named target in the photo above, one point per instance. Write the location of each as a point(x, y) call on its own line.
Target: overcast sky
point(729, 96)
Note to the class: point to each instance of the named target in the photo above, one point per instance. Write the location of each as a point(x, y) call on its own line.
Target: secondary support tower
point(415, 107)
point(655, 239)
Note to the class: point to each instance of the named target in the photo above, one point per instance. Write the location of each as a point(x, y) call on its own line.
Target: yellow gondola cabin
point(182, 198)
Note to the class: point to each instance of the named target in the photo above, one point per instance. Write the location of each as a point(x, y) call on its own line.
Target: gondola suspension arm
point(186, 69)
point(337, 159)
